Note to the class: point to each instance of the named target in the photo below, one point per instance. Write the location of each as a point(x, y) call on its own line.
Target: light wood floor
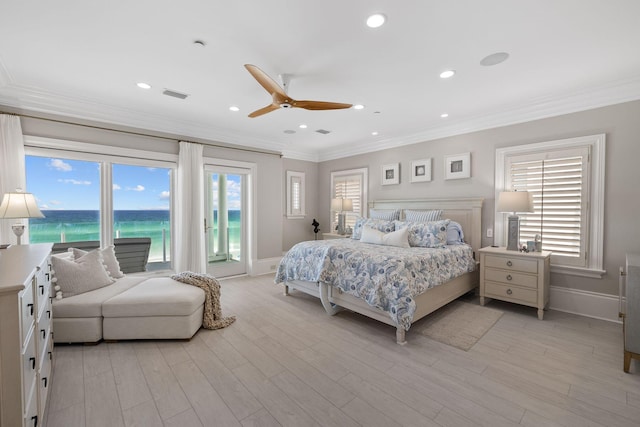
point(285, 362)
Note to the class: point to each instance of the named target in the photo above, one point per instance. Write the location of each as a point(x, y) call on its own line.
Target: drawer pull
point(49, 314)
point(50, 355)
point(41, 289)
point(35, 420)
point(509, 277)
point(44, 380)
point(30, 309)
point(48, 277)
point(509, 263)
point(44, 333)
point(509, 291)
point(33, 362)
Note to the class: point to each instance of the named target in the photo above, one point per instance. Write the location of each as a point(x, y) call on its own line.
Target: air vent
point(289, 131)
point(175, 94)
point(323, 131)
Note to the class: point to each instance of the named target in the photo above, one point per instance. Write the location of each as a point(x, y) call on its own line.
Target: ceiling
point(83, 59)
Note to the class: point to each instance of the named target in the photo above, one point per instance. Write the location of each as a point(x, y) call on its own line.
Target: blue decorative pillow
point(426, 234)
point(422, 216)
point(377, 224)
point(455, 236)
point(386, 214)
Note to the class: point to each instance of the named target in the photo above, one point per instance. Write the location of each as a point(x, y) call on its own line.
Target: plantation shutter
point(295, 196)
point(559, 183)
point(349, 187)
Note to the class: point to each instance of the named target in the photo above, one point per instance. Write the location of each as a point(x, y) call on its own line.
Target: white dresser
point(26, 342)
point(522, 278)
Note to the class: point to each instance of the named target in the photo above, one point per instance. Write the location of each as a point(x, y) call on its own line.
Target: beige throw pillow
point(109, 258)
point(84, 274)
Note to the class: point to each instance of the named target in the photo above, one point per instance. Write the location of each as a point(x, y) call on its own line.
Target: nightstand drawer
point(512, 263)
point(511, 278)
point(506, 292)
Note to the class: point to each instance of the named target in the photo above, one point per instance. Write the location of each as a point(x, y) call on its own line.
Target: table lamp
point(514, 201)
point(341, 206)
point(19, 205)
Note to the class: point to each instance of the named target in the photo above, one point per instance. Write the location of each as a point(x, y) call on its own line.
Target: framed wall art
point(457, 166)
point(391, 174)
point(421, 170)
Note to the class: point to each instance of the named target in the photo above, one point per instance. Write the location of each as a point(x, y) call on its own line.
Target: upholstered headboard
point(466, 211)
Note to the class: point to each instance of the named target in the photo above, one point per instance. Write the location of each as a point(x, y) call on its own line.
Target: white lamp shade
point(515, 201)
point(336, 205)
point(19, 205)
point(341, 205)
point(347, 205)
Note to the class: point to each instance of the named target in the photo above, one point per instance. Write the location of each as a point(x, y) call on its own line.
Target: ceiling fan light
point(447, 74)
point(143, 85)
point(234, 108)
point(303, 126)
point(444, 115)
point(376, 20)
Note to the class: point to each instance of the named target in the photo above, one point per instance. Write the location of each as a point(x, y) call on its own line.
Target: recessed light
point(447, 73)
point(303, 126)
point(444, 115)
point(358, 107)
point(143, 85)
point(376, 20)
point(374, 133)
point(494, 59)
point(234, 108)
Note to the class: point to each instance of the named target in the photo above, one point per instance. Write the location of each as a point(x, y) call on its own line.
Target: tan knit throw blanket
point(212, 317)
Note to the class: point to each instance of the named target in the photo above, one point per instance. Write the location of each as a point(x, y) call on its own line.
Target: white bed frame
point(466, 211)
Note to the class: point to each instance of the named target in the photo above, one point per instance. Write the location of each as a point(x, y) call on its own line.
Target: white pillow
point(399, 238)
point(84, 274)
point(108, 257)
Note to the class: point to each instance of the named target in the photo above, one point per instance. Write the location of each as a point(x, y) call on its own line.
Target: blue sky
point(75, 185)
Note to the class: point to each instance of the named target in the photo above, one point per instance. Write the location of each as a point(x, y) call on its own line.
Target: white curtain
point(12, 173)
point(189, 209)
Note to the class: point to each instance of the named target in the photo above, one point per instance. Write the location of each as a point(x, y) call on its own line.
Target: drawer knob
point(509, 291)
point(509, 277)
point(509, 263)
point(33, 362)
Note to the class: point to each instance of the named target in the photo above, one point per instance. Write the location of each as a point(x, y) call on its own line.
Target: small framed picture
point(391, 174)
point(457, 166)
point(421, 170)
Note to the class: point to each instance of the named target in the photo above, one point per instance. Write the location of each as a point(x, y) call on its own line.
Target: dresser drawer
point(508, 293)
point(29, 366)
point(42, 286)
point(44, 383)
point(27, 310)
point(511, 277)
point(31, 418)
point(512, 263)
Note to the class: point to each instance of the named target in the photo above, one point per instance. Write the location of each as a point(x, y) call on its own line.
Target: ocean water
point(82, 225)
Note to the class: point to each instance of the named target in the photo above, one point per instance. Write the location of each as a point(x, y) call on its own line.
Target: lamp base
point(18, 230)
point(341, 224)
point(513, 233)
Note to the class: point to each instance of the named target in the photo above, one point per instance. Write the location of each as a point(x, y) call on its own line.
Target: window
point(94, 192)
point(295, 195)
point(350, 184)
point(566, 180)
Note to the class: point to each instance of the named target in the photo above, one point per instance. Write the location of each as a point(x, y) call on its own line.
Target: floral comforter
point(386, 277)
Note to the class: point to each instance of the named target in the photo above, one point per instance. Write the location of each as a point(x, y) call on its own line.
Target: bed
point(330, 286)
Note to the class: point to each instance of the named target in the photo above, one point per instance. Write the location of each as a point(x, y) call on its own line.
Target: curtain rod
point(251, 150)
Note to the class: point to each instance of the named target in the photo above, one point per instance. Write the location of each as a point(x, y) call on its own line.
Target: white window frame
point(595, 204)
point(294, 178)
point(364, 172)
point(105, 156)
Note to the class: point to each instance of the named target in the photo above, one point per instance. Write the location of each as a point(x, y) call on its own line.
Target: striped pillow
point(423, 216)
point(386, 214)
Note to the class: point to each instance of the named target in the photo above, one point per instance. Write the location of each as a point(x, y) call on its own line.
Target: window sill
point(578, 271)
point(296, 216)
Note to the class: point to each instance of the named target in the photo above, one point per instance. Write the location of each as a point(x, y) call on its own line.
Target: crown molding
point(612, 93)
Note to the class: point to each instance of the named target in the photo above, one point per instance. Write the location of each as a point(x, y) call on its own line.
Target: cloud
point(164, 195)
point(136, 188)
point(74, 182)
point(44, 206)
point(116, 187)
point(55, 202)
point(58, 164)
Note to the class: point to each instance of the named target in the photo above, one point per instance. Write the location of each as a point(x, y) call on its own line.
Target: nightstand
point(328, 236)
point(518, 277)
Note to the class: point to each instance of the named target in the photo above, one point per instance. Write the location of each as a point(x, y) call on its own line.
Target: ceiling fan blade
point(320, 105)
point(269, 108)
point(265, 81)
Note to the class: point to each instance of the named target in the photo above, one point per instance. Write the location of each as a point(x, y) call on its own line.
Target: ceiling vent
point(175, 94)
point(323, 131)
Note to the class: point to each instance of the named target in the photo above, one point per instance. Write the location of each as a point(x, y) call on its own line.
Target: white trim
point(365, 188)
point(597, 144)
point(585, 303)
point(578, 271)
point(5, 77)
point(264, 266)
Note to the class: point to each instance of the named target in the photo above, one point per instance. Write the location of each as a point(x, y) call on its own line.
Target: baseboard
point(585, 303)
point(264, 266)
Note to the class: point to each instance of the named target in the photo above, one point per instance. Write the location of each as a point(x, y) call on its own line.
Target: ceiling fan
point(280, 97)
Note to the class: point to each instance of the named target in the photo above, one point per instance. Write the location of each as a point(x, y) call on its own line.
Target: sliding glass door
point(226, 220)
